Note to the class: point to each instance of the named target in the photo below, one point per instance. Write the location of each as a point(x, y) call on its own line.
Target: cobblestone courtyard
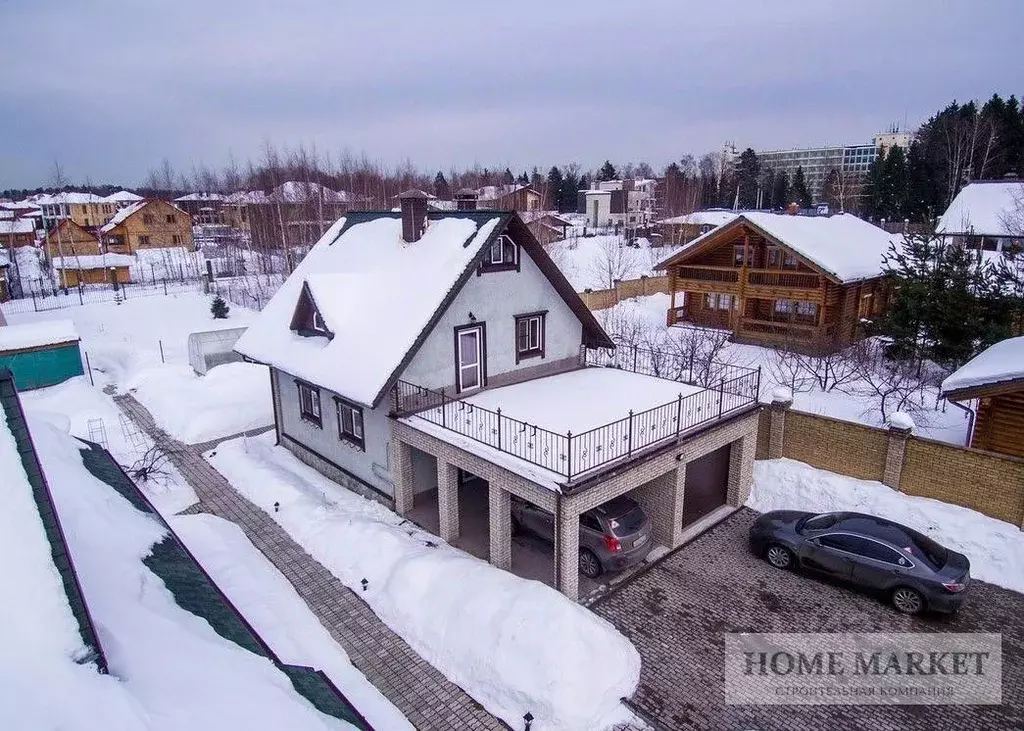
point(677, 613)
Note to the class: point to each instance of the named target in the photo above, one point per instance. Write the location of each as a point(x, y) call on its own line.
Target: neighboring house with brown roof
point(67, 238)
point(441, 363)
point(798, 282)
point(519, 198)
point(147, 224)
point(546, 226)
point(995, 378)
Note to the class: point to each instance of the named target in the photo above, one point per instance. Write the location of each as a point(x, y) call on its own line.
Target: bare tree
point(891, 385)
point(152, 466)
point(614, 261)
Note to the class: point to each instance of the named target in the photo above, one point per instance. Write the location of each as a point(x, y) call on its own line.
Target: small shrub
point(219, 308)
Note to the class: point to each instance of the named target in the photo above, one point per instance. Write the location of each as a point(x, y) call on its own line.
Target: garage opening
point(707, 485)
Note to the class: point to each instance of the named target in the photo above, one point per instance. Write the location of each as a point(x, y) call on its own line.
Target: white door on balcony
point(469, 358)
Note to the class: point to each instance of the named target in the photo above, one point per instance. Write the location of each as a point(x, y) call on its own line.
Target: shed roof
point(37, 334)
point(998, 364)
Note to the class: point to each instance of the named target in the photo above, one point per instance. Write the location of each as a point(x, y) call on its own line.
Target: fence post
point(34, 307)
point(499, 427)
point(165, 286)
point(636, 351)
point(444, 416)
point(161, 351)
point(630, 452)
point(689, 377)
point(721, 396)
point(568, 450)
point(679, 414)
point(80, 293)
point(88, 367)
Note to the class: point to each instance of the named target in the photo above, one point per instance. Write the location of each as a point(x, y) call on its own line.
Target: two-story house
point(780, 280)
point(147, 224)
point(440, 363)
point(17, 232)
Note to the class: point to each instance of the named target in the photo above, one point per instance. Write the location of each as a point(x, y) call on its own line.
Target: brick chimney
point(414, 214)
point(465, 199)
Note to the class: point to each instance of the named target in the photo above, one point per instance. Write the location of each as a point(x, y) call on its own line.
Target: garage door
point(707, 484)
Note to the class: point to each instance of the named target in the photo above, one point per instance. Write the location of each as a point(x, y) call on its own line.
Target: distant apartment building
point(818, 162)
point(629, 203)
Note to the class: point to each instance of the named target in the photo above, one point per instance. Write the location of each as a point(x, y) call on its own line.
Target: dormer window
point(502, 256)
point(307, 319)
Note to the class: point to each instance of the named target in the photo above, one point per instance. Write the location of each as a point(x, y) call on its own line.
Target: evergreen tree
point(831, 192)
point(799, 192)
point(219, 308)
point(441, 188)
point(780, 190)
point(507, 178)
point(571, 185)
point(554, 190)
point(747, 172)
point(607, 171)
point(911, 269)
point(536, 179)
point(896, 183)
point(523, 179)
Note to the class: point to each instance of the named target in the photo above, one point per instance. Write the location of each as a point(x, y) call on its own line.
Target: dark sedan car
point(909, 569)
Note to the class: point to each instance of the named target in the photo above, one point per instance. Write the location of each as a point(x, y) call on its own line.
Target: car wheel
point(779, 556)
point(590, 566)
point(907, 600)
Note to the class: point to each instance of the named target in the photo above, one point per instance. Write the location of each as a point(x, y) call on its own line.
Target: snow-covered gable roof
point(295, 191)
point(843, 246)
point(987, 208)
point(247, 196)
point(10, 226)
point(37, 334)
point(376, 293)
point(702, 218)
point(199, 197)
point(1002, 362)
point(67, 198)
point(122, 196)
point(121, 215)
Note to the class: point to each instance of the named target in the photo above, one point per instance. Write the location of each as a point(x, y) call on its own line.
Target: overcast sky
point(109, 87)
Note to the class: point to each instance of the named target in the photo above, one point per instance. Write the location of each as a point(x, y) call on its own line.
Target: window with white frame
point(502, 253)
point(350, 423)
point(530, 335)
point(309, 403)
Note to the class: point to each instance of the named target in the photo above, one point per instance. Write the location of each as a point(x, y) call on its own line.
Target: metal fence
point(571, 455)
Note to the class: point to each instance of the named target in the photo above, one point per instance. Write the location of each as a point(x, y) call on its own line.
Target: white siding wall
point(495, 298)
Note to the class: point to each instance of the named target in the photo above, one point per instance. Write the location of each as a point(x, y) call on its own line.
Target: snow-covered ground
point(277, 612)
point(594, 262)
point(994, 547)
point(935, 419)
point(229, 399)
point(514, 645)
point(168, 668)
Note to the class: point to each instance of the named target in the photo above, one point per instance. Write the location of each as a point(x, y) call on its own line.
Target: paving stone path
point(427, 698)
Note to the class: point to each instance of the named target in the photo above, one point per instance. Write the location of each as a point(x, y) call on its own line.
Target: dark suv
point(907, 568)
point(613, 536)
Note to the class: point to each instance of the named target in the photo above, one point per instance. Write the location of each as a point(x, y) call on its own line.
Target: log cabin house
point(67, 238)
point(147, 224)
point(778, 280)
point(995, 377)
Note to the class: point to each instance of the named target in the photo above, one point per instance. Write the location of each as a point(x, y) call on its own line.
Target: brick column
point(448, 500)
point(567, 552)
point(777, 426)
point(741, 469)
point(662, 500)
point(895, 449)
point(401, 472)
point(500, 527)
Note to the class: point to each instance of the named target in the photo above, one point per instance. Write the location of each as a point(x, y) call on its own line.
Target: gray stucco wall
point(495, 298)
point(370, 466)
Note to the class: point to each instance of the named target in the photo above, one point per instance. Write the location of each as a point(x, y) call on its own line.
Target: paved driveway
point(677, 612)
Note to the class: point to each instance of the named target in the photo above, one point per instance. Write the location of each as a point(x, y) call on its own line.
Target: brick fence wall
point(601, 299)
point(990, 483)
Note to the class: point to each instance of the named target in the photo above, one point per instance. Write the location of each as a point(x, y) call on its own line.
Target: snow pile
point(271, 605)
point(1004, 361)
point(512, 644)
point(169, 670)
point(229, 399)
point(994, 547)
point(92, 261)
point(901, 420)
point(355, 273)
point(37, 334)
point(781, 394)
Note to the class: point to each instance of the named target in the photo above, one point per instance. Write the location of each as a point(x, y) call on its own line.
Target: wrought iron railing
point(725, 388)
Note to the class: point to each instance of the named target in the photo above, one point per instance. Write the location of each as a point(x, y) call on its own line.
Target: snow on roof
point(493, 192)
point(986, 208)
point(1004, 361)
point(246, 196)
point(121, 215)
point(10, 226)
point(5, 261)
point(199, 197)
point(37, 334)
point(93, 261)
point(67, 198)
point(295, 191)
point(121, 196)
point(842, 245)
point(702, 218)
point(353, 274)
point(531, 216)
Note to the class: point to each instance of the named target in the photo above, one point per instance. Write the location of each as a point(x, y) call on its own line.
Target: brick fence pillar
point(500, 508)
point(741, 469)
point(618, 290)
point(567, 551)
point(447, 500)
point(777, 426)
point(896, 447)
point(401, 458)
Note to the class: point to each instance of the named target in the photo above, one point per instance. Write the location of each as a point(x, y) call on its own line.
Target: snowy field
point(936, 420)
point(595, 262)
point(168, 668)
point(514, 645)
point(277, 612)
point(994, 547)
